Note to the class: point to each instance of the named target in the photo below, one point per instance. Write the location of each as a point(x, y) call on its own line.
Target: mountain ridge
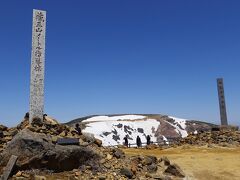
point(112, 128)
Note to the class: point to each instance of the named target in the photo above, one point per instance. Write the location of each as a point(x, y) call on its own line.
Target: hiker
point(139, 143)
point(78, 129)
point(148, 140)
point(26, 115)
point(125, 141)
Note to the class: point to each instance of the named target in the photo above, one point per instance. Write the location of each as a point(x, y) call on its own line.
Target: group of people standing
point(138, 141)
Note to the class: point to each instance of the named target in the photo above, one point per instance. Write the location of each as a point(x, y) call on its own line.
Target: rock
point(88, 137)
point(23, 124)
point(165, 160)
point(98, 142)
point(126, 172)
point(152, 168)
point(108, 166)
point(54, 139)
point(62, 134)
point(13, 131)
point(3, 128)
point(25, 175)
point(109, 156)
point(77, 173)
point(1, 134)
point(6, 133)
point(19, 173)
point(8, 138)
point(39, 177)
point(151, 146)
point(148, 160)
point(102, 177)
point(134, 167)
point(37, 122)
point(50, 120)
point(118, 153)
point(161, 177)
point(102, 161)
point(174, 170)
point(37, 151)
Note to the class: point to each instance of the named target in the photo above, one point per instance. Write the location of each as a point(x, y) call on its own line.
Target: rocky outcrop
point(222, 137)
point(39, 156)
point(37, 151)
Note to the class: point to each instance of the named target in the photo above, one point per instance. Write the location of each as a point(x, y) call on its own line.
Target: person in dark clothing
point(125, 141)
point(26, 115)
point(139, 142)
point(78, 129)
point(148, 140)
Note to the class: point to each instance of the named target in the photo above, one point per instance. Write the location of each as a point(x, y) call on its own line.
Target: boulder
point(148, 160)
point(118, 153)
point(174, 170)
point(126, 172)
point(152, 168)
point(50, 120)
point(98, 142)
point(3, 128)
point(1, 134)
point(36, 151)
point(165, 160)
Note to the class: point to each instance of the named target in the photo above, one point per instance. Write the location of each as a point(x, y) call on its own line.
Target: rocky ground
point(39, 157)
point(200, 162)
point(226, 137)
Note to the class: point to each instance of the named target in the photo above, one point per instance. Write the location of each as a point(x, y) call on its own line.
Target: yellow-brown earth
point(200, 163)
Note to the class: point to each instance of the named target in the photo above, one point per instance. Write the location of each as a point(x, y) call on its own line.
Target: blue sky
point(135, 56)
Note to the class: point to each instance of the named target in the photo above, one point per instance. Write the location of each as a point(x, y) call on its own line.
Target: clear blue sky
point(128, 56)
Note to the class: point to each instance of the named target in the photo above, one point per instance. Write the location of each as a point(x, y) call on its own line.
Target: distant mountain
point(111, 129)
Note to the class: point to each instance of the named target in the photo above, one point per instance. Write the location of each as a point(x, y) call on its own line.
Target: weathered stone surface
point(152, 168)
point(37, 151)
point(165, 160)
point(37, 66)
point(3, 128)
point(220, 137)
point(175, 171)
point(9, 168)
point(1, 134)
point(126, 172)
point(118, 153)
point(148, 160)
point(40, 178)
point(98, 142)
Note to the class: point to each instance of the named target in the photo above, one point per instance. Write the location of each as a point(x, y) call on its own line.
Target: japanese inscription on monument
point(222, 104)
point(37, 65)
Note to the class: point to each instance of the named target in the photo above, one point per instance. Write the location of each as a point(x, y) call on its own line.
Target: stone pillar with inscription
point(37, 66)
point(222, 103)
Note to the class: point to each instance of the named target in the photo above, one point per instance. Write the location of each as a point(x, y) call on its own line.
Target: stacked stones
point(6, 135)
point(50, 127)
point(115, 165)
point(222, 138)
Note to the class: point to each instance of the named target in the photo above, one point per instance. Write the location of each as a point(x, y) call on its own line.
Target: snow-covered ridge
point(112, 129)
point(113, 132)
point(180, 125)
point(114, 118)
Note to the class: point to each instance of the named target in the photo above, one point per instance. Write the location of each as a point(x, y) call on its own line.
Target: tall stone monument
point(37, 65)
point(222, 103)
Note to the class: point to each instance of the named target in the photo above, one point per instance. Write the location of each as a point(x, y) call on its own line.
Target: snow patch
point(182, 124)
point(114, 118)
point(129, 128)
